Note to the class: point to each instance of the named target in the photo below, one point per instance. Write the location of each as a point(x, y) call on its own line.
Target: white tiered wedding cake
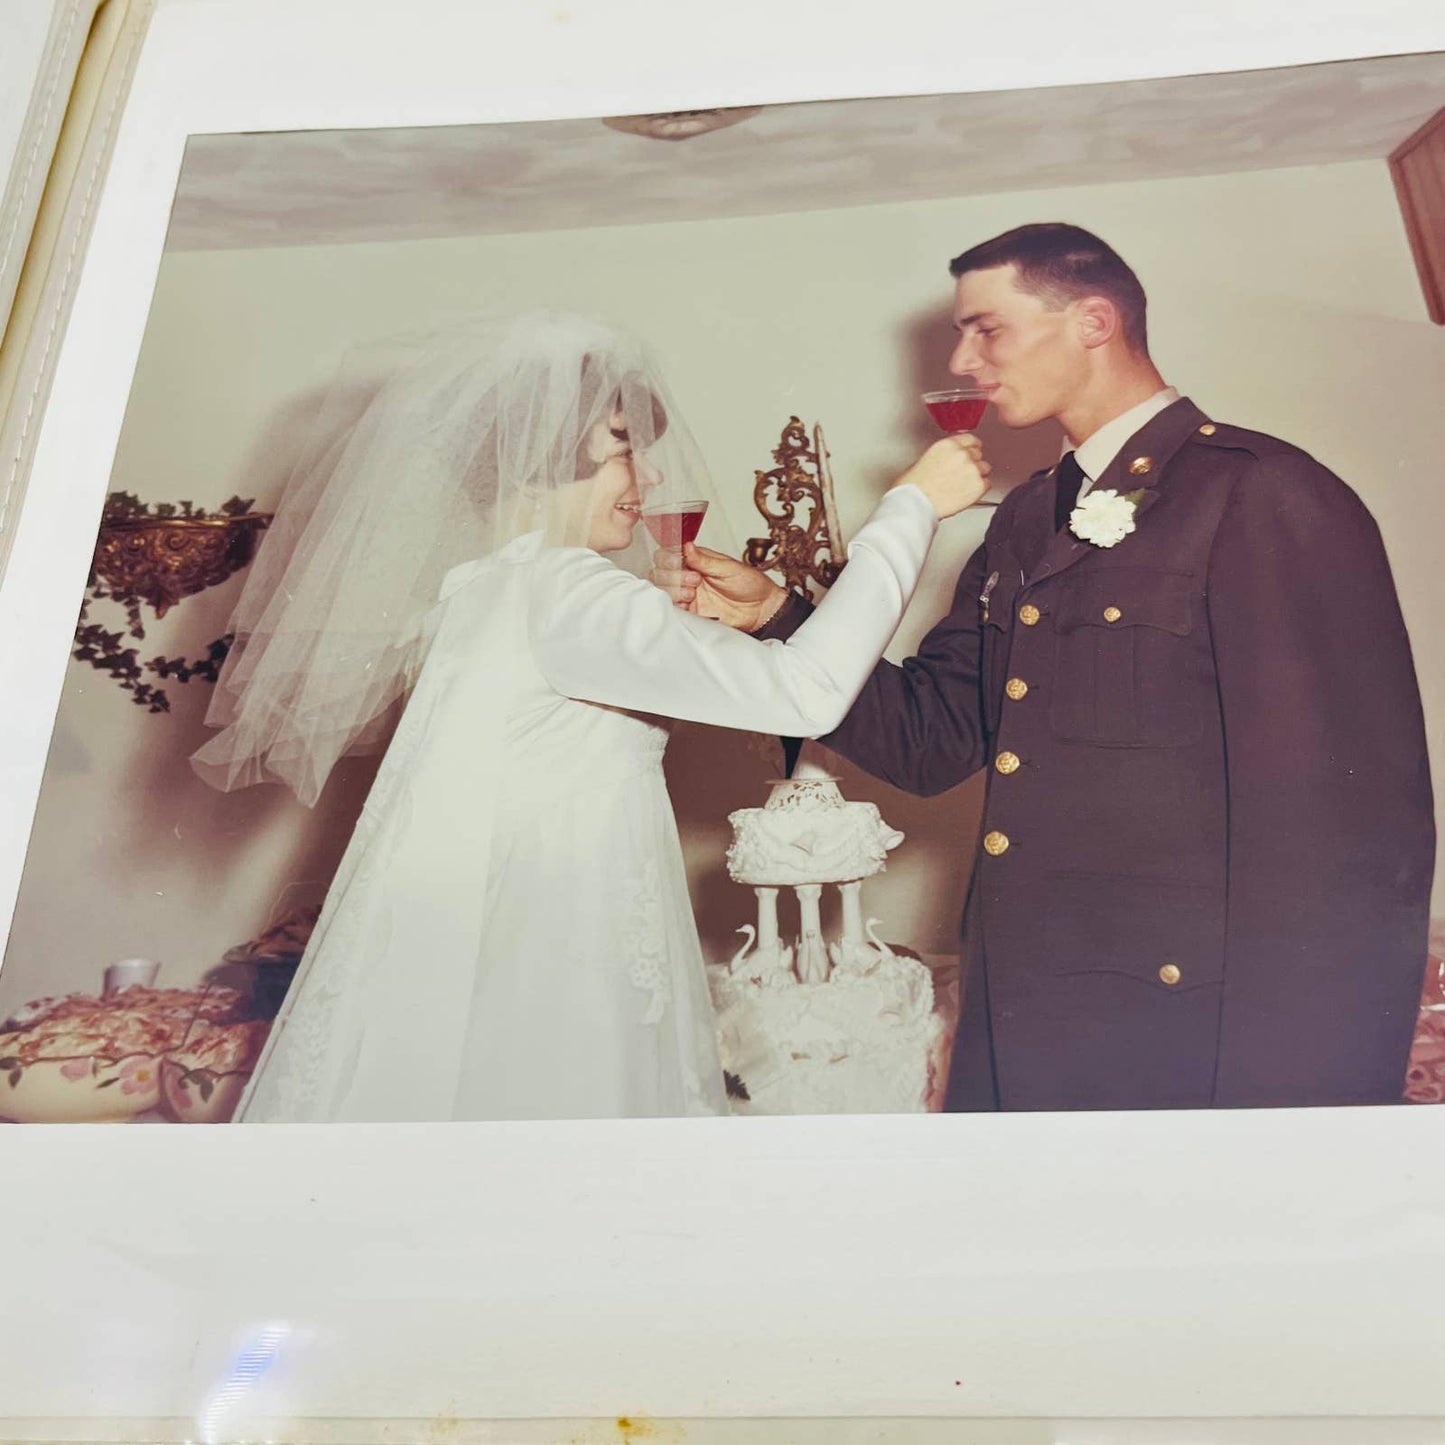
point(813, 1027)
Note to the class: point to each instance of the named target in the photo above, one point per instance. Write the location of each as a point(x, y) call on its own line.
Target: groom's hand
point(717, 586)
point(730, 591)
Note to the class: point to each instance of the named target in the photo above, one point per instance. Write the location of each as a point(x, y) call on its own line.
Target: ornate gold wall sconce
point(155, 556)
point(796, 500)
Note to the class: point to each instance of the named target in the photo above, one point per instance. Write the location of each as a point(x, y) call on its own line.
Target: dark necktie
point(1068, 476)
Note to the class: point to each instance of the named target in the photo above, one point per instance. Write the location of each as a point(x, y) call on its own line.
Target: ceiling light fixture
point(680, 124)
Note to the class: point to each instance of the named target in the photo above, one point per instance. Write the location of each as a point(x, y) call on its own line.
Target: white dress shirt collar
point(1094, 454)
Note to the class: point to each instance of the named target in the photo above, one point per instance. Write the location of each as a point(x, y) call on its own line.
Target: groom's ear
point(1098, 321)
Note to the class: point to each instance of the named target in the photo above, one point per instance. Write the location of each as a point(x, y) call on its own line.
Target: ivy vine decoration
point(154, 556)
point(205, 1081)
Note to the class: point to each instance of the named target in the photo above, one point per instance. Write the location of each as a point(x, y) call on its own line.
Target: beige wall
point(1280, 300)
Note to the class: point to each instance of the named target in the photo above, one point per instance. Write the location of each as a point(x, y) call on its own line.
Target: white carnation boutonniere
point(1104, 519)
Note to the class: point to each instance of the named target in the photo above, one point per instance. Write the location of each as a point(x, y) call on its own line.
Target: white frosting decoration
point(808, 1026)
point(807, 833)
point(858, 1044)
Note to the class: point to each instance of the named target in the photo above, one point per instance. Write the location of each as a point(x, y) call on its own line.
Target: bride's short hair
point(595, 382)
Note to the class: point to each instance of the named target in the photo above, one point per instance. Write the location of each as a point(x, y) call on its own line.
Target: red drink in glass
point(674, 523)
point(959, 414)
point(959, 410)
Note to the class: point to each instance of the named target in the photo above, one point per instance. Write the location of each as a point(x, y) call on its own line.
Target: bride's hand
point(673, 576)
point(952, 474)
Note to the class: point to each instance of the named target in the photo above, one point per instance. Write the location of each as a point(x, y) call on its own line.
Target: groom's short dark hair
point(1060, 263)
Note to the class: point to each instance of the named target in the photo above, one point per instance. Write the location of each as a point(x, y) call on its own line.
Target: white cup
point(129, 973)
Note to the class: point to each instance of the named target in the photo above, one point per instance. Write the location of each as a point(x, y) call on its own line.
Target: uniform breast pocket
point(1130, 670)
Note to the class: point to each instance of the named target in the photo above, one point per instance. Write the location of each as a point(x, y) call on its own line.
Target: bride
point(509, 934)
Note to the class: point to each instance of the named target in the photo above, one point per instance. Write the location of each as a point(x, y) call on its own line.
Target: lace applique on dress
point(643, 939)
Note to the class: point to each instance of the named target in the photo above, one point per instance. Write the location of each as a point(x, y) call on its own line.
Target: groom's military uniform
point(1208, 841)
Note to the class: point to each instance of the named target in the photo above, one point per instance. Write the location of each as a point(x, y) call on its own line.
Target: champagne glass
point(673, 524)
point(959, 409)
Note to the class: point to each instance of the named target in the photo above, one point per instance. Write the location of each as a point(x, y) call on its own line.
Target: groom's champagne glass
point(958, 410)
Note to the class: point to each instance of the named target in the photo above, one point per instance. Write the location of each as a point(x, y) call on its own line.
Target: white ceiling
point(312, 187)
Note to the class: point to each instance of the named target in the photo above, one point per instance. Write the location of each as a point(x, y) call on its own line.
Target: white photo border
point(1164, 1264)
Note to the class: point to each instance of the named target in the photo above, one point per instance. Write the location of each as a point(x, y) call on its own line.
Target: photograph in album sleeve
point(736, 613)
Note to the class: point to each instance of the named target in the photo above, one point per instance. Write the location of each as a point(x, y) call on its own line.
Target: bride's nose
point(647, 475)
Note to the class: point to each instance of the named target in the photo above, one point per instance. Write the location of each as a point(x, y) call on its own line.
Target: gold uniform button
point(1141, 466)
point(995, 843)
point(1016, 688)
point(1112, 614)
point(1007, 762)
point(1208, 429)
point(1029, 614)
point(1170, 974)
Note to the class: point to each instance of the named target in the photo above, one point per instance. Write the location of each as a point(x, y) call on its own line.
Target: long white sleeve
point(602, 635)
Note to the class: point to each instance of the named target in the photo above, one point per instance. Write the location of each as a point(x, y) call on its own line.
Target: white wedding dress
point(509, 935)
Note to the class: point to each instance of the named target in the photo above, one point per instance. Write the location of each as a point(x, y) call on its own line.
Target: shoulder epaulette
point(1240, 439)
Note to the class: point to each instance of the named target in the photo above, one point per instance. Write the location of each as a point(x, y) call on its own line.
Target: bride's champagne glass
point(673, 524)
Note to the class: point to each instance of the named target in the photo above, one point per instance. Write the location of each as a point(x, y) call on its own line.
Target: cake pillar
point(852, 896)
point(771, 958)
point(767, 918)
point(812, 952)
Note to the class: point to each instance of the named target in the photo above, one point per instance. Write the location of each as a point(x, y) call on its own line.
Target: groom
point(1208, 839)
